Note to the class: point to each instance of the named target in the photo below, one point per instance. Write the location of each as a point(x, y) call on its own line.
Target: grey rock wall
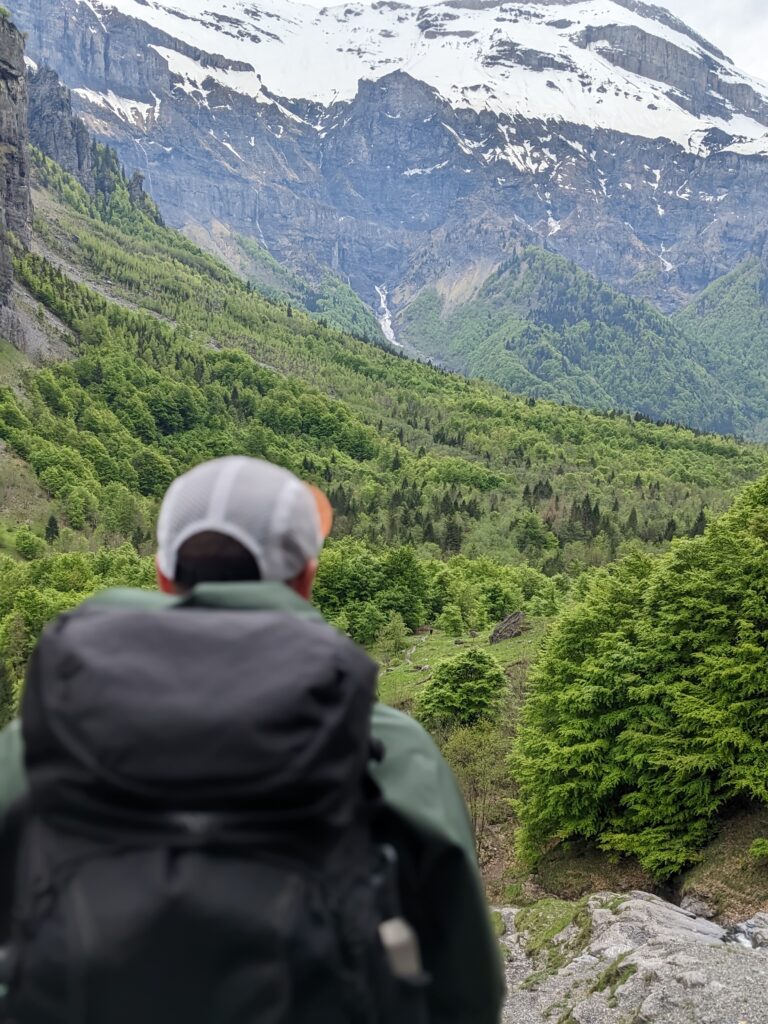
point(15, 204)
point(55, 130)
point(699, 82)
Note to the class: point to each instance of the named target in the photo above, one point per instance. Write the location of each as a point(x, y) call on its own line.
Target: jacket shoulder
point(402, 731)
point(13, 783)
point(416, 782)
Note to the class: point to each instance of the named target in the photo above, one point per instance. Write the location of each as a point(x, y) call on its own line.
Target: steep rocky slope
point(401, 144)
point(55, 130)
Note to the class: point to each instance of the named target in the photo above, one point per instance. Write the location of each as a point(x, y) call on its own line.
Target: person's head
point(240, 520)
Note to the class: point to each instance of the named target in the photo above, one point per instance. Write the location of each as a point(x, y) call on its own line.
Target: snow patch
point(753, 147)
point(194, 75)
point(231, 149)
point(133, 111)
point(411, 172)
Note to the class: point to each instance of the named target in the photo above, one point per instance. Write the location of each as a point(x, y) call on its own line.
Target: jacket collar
point(262, 597)
point(256, 597)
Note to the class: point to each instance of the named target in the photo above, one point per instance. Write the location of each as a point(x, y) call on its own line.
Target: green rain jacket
point(459, 947)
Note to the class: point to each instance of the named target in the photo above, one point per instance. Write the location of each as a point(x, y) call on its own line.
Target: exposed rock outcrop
point(513, 626)
point(700, 82)
point(15, 203)
point(637, 958)
point(55, 130)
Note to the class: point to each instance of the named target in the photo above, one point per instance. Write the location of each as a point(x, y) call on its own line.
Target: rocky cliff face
point(634, 149)
point(15, 205)
point(701, 82)
point(55, 130)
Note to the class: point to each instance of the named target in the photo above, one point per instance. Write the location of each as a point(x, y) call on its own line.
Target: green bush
point(463, 691)
point(29, 545)
point(476, 755)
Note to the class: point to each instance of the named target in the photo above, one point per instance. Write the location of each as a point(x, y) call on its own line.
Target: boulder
point(513, 626)
point(638, 958)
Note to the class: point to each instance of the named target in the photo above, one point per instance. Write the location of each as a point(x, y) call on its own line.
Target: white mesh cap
point(280, 519)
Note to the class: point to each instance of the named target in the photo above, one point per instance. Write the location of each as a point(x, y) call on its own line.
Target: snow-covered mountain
point(600, 63)
point(402, 144)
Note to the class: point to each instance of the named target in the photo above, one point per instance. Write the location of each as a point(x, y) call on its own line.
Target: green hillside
point(730, 319)
point(182, 361)
point(540, 326)
point(178, 360)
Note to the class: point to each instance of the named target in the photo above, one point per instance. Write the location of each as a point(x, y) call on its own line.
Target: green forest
point(731, 318)
point(541, 326)
point(647, 715)
point(627, 711)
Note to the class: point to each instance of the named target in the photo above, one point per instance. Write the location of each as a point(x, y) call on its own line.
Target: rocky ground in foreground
point(632, 959)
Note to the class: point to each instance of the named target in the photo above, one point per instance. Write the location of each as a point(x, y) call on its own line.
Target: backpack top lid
point(263, 714)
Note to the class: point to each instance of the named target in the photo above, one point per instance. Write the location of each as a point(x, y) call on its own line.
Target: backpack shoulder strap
point(11, 828)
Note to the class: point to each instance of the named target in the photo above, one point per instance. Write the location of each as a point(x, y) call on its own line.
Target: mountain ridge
point(385, 182)
point(485, 63)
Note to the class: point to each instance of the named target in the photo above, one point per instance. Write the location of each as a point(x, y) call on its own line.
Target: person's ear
point(166, 586)
point(304, 582)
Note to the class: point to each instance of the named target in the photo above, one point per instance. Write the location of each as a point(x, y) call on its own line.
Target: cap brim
point(324, 509)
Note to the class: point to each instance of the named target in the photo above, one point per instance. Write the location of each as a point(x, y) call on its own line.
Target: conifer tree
point(699, 525)
point(453, 535)
point(52, 529)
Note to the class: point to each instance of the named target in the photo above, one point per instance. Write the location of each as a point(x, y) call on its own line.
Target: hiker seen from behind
point(206, 815)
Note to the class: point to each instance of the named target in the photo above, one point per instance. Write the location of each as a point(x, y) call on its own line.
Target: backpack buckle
point(195, 826)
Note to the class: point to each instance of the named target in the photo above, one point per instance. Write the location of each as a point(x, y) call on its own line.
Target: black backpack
point(199, 842)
